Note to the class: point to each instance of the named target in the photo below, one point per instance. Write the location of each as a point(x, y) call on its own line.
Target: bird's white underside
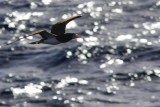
point(52, 41)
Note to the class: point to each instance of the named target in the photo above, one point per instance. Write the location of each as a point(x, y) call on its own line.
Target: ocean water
point(116, 63)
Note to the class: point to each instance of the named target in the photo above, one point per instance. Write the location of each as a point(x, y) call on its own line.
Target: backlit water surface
point(115, 64)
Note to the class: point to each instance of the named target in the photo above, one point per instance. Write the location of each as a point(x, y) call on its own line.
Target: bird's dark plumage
point(59, 27)
point(66, 37)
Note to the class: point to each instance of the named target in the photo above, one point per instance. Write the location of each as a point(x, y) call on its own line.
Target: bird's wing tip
point(80, 15)
point(77, 16)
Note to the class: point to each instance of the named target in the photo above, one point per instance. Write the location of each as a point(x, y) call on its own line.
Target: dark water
point(115, 64)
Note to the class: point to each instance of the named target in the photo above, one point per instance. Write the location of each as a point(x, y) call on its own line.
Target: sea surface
point(116, 63)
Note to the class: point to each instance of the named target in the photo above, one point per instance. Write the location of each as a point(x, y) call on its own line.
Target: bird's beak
point(77, 36)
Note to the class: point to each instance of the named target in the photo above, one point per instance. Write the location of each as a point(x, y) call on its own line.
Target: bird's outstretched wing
point(23, 37)
point(44, 34)
point(59, 27)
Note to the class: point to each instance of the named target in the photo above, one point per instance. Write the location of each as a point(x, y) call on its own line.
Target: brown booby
point(49, 38)
point(57, 34)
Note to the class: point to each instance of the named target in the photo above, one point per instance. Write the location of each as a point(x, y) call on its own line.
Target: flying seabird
point(49, 38)
point(57, 34)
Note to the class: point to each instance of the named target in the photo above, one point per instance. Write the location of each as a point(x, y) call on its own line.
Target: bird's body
point(52, 39)
point(47, 38)
point(60, 39)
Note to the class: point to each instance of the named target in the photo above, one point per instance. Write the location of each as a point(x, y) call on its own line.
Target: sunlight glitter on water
point(157, 72)
point(72, 24)
point(64, 82)
point(17, 19)
point(33, 5)
point(19, 16)
point(113, 62)
point(46, 2)
point(117, 11)
point(150, 26)
point(29, 90)
point(69, 54)
point(89, 7)
point(87, 43)
point(90, 41)
point(88, 4)
point(124, 37)
point(114, 3)
point(112, 88)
